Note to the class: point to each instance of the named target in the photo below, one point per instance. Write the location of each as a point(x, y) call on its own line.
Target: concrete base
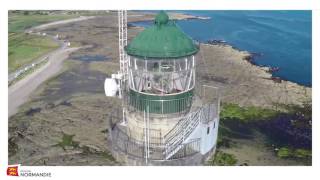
point(128, 160)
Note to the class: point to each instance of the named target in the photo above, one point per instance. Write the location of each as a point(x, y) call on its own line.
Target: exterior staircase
point(174, 139)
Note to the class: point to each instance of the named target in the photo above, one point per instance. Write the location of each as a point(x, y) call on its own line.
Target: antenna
point(123, 41)
point(117, 82)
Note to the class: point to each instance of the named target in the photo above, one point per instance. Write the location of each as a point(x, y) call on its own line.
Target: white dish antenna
point(110, 87)
point(114, 84)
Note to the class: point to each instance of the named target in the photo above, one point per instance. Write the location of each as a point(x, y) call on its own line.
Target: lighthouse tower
point(167, 118)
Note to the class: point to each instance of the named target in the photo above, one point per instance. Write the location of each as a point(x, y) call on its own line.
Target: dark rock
point(32, 111)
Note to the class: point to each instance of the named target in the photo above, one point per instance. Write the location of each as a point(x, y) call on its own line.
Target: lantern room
point(161, 68)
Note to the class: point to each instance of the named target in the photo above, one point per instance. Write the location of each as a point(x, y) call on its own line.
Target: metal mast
point(122, 74)
point(123, 41)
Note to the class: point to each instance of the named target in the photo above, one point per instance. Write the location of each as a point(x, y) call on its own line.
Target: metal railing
point(182, 130)
point(136, 148)
point(172, 145)
point(187, 149)
point(174, 138)
point(170, 106)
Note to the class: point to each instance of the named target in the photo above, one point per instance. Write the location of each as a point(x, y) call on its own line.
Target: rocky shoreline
point(256, 79)
point(251, 59)
point(64, 123)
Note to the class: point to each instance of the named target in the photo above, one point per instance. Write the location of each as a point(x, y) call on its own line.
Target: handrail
point(135, 148)
point(174, 142)
point(183, 129)
point(161, 72)
point(175, 138)
point(161, 106)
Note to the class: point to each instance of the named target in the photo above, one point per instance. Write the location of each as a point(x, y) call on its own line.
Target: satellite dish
point(110, 87)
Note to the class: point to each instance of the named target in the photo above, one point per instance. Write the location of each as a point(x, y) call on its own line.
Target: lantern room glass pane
point(140, 65)
point(161, 76)
point(153, 66)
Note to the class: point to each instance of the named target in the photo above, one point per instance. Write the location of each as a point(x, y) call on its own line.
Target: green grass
point(67, 141)
point(286, 152)
point(222, 159)
point(246, 114)
point(23, 49)
point(18, 22)
point(29, 71)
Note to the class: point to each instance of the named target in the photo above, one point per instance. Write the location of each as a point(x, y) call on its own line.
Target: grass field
point(18, 22)
point(24, 48)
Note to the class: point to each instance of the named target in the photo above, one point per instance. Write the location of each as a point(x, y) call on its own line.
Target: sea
point(282, 39)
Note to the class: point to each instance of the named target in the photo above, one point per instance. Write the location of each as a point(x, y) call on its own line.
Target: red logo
point(12, 171)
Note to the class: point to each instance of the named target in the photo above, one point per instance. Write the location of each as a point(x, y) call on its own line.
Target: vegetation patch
point(104, 154)
point(292, 128)
point(286, 152)
point(12, 146)
point(302, 114)
point(222, 159)
point(239, 122)
point(224, 142)
point(246, 114)
point(25, 48)
point(27, 72)
point(289, 131)
point(104, 67)
point(67, 141)
point(21, 20)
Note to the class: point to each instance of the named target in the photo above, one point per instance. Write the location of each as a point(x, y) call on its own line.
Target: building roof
point(164, 39)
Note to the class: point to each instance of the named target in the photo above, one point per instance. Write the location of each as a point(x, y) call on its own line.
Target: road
point(45, 26)
point(19, 92)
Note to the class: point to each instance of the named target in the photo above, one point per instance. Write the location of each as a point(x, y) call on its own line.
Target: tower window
point(148, 85)
point(208, 130)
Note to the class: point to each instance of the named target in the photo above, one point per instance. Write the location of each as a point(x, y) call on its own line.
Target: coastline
point(252, 57)
point(255, 82)
point(149, 16)
point(74, 104)
point(291, 92)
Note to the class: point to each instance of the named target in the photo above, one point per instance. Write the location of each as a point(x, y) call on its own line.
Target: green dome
point(164, 39)
point(161, 18)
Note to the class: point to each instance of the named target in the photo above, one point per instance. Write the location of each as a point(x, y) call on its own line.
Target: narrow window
point(208, 130)
point(148, 85)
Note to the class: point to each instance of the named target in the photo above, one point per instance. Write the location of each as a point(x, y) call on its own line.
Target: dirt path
point(44, 26)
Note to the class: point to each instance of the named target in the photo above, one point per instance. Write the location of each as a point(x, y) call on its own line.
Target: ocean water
point(284, 38)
